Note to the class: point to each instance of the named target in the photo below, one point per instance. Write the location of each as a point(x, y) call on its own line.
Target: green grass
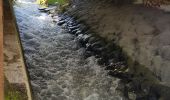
point(58, 1)
point(61, 2)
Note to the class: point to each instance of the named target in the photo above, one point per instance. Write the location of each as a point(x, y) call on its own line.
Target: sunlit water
point(57, 68)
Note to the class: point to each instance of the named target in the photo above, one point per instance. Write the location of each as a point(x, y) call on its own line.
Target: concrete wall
point(1, 51)
point(14, 67)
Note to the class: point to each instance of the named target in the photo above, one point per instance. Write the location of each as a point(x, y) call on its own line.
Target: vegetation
point(12, 93)
point(46, 2)
point(62, 4)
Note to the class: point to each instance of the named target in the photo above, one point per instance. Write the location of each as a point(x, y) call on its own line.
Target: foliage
point(61, 2)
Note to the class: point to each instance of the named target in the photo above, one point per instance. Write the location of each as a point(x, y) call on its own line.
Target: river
point(55, 61)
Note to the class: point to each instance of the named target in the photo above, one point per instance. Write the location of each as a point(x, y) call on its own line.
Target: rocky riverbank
point(143, 33)
point(137, 82)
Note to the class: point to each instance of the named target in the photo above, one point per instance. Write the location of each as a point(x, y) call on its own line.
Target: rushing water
point(57, 68)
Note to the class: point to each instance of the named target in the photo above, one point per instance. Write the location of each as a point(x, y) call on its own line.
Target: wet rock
point(80, 39)
point(61, 22)
point(119, 66)
point(109, 68)
point(93, 39)
point(101, 61)
point(97, 44)
point(145, 88)
point(86, 38)
point(121, 75)
point(28, 36)
point(74, 31)
point(42, 9)
point(153, 96)
point(50, 9)
point(88, 47)
point(78, 32)
point(88, 54)
point(132, 95)
point(73, 28)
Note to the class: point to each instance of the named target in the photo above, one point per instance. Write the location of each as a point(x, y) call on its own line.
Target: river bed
point(55, 61)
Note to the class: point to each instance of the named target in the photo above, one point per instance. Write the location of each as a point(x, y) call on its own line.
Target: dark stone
point(73, 27)
point(101, 61)
point(98, 51)
point(78, 32)
point(80, 39)
point(86, 37)
point(97, 44)
point(41, 8)
point(88, 54)
point(89, 47)
point(121, 75)
point(74, 31)
point(109, 68)
point(93, 39)
point(61, 22)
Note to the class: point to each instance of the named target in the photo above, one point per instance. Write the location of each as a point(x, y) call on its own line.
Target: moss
point(12, 93)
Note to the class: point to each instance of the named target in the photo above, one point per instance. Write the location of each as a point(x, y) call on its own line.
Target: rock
point(73, 28)
point(109, 68)
point(88, 47)
point(61, 22)
point(88, 54)
point(97, 46)
point(121, 75)
point(86, 38)
point(50, 8)
point(74, 31)
point(78, 32)
point(132, 95)
point(93, 39)
point(80, 40)
point(98, 51)
point(101, 61)
point(41, 8)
